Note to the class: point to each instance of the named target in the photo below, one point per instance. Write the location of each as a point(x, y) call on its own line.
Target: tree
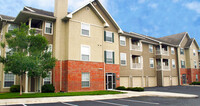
point(28, 53)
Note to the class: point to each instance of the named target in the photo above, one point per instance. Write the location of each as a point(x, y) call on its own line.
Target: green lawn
point(35, 95)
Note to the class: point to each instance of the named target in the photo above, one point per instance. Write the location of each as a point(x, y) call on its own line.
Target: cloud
point(153, 5)
point(193, 6)
point(141, 1)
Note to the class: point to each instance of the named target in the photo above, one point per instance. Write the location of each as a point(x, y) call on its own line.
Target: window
point(8, 79)
point(194, 52)
point(122, 40)
point(47, 80)
point(172, 50)
point(182, 51)
point(85, 29)
point(123, 58)
point(11, 27)
point(151, 60)
point(85, 82)
point(195, 64)
point(108, 36)
point(8, 51)
point(182, 64)
point(48, 27)
point(173, 63)
point(85, 53)
point(151, 48)
point(50, 48)
point(197, 79)
point(109, 57)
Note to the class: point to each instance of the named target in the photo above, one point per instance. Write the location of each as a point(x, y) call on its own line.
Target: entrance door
point(110, 81)
point(184, 79)
point(32, 84)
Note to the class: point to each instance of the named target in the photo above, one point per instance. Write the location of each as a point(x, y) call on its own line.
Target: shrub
point(48, 88)
point(15, 88)
point(135, 89)
point(121, 88)
point(195, 83)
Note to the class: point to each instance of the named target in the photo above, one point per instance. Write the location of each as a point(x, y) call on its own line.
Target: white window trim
point(126, 59)
point(50, 78)
point(89, 52)
point(89, 80)
point(45, 28)
point(174, 63)
point(183, 51)
point(81, 30)
point(112, 38)
point(181, 63)
point(150, 47)
point(120, 40)
point(109, 51)
point(194, 52)
point(4, 80)
point(196, 64)
point(173, 49)
point(150, 62)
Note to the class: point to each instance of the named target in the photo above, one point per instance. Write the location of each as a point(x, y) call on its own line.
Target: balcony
point(159, 67)
point(164, 66)
point(136, 66)
point(37, 30)
point(136, 47)
point(162, 52)
point(136, 62)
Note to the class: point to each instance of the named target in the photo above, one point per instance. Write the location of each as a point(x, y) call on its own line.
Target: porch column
point(26, 83)
point(161, 49)
point(29, 23)
point(162, 70)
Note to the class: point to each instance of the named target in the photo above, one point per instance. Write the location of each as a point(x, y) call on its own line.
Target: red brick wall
point(190, 74)
point(71, 75)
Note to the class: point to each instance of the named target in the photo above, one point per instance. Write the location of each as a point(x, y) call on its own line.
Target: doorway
point(110, 81)
point(184, 79)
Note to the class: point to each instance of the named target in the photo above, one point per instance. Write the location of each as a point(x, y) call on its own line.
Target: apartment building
point(187, 53)
point(84, 42)
point(93, 53)
point(147, 61)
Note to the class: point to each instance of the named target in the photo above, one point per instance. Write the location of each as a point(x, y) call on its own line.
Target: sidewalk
point(94, 97)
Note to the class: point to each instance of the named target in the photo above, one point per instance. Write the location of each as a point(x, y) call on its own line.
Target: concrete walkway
point(94, 97)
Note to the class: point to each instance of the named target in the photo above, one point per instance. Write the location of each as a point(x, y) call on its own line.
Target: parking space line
point(139, 101)
point(110, 103)
point(24, 104)
point(69, 104)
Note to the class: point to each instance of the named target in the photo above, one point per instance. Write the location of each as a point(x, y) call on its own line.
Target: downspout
point(60, 75)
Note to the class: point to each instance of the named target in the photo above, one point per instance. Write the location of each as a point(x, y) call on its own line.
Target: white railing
point(136, 48)
point(37, 31)
point(163, 67)
point(162, 52)
point(136, 65)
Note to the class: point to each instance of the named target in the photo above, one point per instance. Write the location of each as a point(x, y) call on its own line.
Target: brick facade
point(190, 75)
point(71, 75)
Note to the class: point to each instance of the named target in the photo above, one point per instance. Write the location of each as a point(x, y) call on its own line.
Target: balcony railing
point(136, 48)
point(163, 67)
point(162, 52)
point(37, 31)
point(136, 66)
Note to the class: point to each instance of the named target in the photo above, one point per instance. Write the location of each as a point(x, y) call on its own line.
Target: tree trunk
point(21, 77)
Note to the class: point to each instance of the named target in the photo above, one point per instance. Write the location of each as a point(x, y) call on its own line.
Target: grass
point(36, 95)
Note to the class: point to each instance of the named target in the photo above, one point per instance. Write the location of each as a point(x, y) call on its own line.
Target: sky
point(156, 18)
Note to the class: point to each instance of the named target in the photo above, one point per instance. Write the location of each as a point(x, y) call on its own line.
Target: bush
point(15, 88)
point(121, 88)
point(135, 89)
point(195, 83)
point(48, 88)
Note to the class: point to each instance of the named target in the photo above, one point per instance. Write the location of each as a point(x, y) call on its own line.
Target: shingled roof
point(173, 39)
point(38, 11)
point(189, 42)
point(7, 17)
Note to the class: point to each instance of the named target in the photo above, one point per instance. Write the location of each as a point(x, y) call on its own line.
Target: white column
point(26, 83)
point(161, 49)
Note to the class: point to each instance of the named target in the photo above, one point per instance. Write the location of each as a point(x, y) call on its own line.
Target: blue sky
point(155, 18)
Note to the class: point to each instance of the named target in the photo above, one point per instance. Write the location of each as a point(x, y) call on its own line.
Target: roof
point(38, 11)
point(189, 42)
point(7, 17)
point(174, 39)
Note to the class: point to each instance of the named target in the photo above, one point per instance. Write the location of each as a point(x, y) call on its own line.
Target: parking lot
point(141, 101)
